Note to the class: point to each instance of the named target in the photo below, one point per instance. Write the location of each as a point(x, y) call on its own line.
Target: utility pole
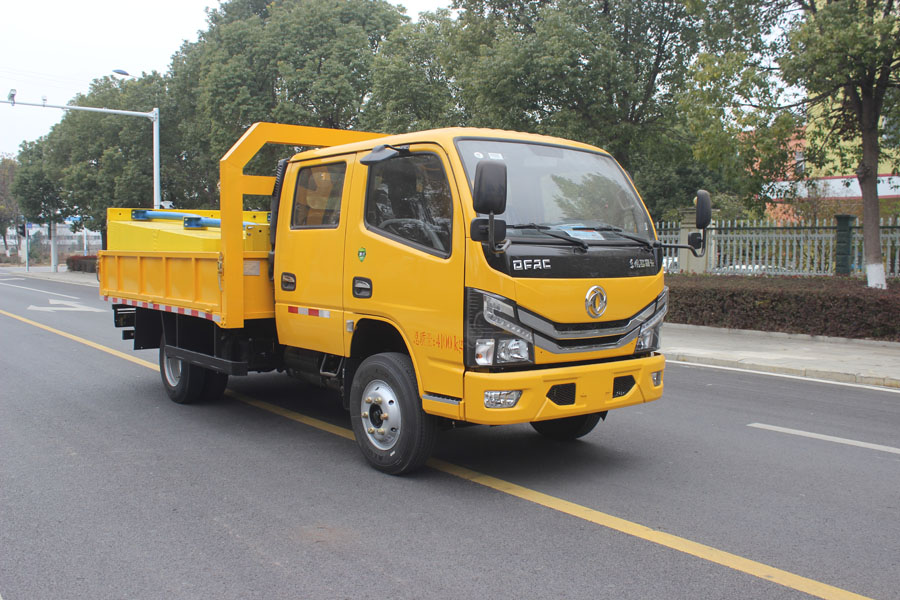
point(153, 115)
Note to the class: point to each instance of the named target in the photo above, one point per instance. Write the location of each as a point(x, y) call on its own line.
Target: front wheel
point(395, 435)
point(568, 428)
point(184, 382)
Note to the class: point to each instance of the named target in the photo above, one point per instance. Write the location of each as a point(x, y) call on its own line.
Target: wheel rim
point(172, 370)
point(380, 412)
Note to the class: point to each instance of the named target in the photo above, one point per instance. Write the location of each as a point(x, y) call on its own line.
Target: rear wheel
point(214, 386)
point(183, 381)
point(395, 435)
point(569, 428)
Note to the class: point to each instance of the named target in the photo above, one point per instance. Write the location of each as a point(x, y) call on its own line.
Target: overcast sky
point(54, 48)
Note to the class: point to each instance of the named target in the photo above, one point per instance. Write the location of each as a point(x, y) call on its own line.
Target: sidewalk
point(44, 272)
point(835, 359)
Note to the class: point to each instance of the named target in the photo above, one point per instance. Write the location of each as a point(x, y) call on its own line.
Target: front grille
point(563, 338)
point(622, 385)
point(562, 394)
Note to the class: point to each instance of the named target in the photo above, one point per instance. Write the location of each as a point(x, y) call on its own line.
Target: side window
point(317, 197)
point(409, 198)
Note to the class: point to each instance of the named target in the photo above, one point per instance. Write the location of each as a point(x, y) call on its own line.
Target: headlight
point(494, 335)
point(648, 338)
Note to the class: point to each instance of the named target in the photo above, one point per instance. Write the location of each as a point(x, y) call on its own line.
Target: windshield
point(584, 194)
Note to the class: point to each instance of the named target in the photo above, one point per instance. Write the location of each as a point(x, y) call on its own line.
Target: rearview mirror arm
point(492, 241)
point(699, 250)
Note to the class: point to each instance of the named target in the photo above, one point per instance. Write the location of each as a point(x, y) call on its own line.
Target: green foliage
point(846, 54)
point(36, 185)
point(306, 63)
point(9, 208)
point(412, 87)
point(833, 67)
point(627, 76)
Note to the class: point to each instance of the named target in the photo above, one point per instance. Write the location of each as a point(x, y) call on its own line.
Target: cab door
point(309, 254)
point(405, 260)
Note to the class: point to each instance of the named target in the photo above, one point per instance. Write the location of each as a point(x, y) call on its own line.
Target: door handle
point(288, 282)
point(362, 287)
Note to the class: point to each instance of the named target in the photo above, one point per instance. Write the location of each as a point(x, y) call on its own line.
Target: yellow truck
point(432, 278)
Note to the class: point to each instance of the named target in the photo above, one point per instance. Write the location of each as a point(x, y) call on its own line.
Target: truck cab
point(454, 276)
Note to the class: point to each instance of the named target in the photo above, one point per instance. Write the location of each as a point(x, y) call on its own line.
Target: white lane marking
point(863, 386)
point(12, 279)
point(22, 287)
point(827, 438)
point(65, 305)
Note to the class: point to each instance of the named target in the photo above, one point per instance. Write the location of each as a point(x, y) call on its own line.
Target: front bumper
point(593, 390)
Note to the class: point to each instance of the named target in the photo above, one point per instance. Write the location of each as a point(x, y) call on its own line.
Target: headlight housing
point(494, 336)
point(648, 337)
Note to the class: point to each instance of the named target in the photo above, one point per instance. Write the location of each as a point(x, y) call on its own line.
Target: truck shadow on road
point(514, 451)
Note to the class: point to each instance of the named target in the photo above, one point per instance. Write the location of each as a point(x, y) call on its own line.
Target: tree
point(307, 63)
point(9, 209)
point(412, 87)
point(846, 54)
point(595, 71)
point(844, 57)
point(36, 186)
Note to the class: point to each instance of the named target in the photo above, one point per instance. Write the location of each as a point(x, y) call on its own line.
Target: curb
point(885, 382)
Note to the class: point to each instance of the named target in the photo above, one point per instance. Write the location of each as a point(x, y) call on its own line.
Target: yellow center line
point(667, 540)
point(81, 340)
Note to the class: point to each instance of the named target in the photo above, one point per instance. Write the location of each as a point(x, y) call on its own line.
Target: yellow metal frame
point(234, 185)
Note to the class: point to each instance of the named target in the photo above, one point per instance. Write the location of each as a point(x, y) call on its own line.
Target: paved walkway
point(836, 359)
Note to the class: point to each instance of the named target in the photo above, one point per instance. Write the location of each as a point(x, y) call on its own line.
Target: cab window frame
point(340, 206)
point(376, 229)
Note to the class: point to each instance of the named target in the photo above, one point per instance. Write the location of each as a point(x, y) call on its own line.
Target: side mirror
point(695, 240)
point(704, 209)
point(480, 230)
point(489, 194)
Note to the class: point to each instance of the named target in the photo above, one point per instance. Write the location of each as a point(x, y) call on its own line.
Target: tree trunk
point(867, 175)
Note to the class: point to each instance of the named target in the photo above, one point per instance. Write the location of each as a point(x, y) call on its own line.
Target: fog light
point(501, 398)
point(484, 352)
point(656, 376)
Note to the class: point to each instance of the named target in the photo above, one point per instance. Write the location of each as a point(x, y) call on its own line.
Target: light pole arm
point(153, 115)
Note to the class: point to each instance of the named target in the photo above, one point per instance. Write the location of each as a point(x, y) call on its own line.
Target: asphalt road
point(110, 490)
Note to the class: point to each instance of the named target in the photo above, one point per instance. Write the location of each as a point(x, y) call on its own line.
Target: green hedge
point(82, 263)
point(832, 306)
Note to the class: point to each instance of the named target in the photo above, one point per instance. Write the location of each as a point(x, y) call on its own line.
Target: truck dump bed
point(211, 264)
point(158, 258)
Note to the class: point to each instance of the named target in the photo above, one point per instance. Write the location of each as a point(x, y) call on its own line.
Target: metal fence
point(67, 243)
point(668, 234)
point(765, 247)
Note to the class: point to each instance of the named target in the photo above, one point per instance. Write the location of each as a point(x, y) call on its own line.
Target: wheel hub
point(380, 414)
point(173, 370)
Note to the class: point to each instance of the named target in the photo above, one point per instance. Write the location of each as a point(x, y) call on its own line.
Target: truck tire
point(395, 435)
point(183, 381)
point(214, 386)
point(568, 428)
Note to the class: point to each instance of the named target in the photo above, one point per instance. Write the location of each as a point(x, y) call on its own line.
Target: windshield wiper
point(546, 230)
point(618, 230)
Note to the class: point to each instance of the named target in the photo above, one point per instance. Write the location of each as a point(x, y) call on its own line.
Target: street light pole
point(153, 115)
